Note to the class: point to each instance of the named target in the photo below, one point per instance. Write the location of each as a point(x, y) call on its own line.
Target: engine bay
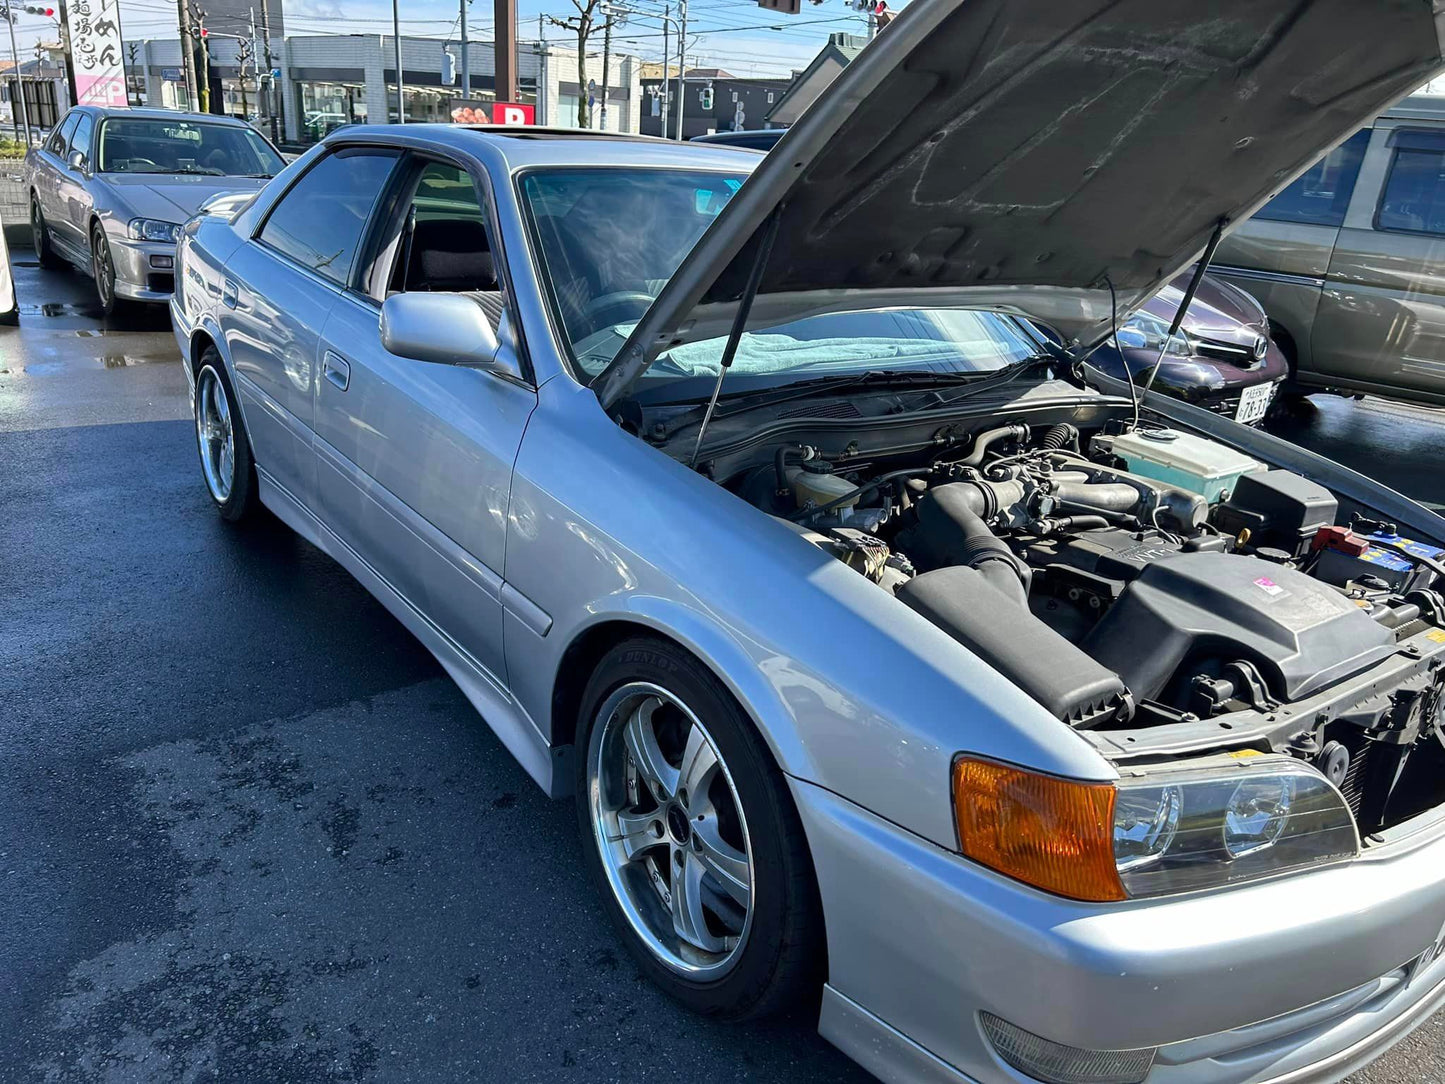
point(1157, 590)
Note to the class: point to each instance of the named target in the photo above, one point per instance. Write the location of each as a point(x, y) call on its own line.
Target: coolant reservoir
point(814, 483)
point(1184, 460)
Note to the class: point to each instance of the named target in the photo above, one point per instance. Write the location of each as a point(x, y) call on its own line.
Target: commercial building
point(714, 101)
point(326, 80)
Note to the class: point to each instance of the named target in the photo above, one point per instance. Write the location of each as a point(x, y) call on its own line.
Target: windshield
point(611, 237)
point(133, 145)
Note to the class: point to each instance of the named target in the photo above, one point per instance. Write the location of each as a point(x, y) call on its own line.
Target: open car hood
point(1020, 155)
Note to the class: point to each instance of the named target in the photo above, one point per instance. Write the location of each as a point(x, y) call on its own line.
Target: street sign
point(171, 75)
point(95, 44)
point(275, 73)
point(477, 111)
point(513, 113)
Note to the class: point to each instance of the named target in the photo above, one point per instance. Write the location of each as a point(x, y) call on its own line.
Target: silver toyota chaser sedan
point(1023, 730)
point(109, 189)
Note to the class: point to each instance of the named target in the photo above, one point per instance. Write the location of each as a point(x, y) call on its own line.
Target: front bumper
point(136, 277)
point(1301, 979)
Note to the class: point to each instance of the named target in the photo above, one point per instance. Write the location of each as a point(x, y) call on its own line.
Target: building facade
point(327, 80)
point(713, 101)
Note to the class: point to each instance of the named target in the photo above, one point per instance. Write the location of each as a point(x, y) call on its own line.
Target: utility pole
point(666, 65)
point(504, 49)
point(400, 80)
point(274, 100)
point(188, 57)
point(19, 83)
point(256, 65)
point(681, 67)
point(606, 60)
point(466, 55)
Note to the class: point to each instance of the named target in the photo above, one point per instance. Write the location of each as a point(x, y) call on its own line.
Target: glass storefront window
point(327, 106)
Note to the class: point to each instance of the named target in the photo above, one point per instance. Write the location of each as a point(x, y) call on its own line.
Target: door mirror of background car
point(447, 329)
point(76, 160)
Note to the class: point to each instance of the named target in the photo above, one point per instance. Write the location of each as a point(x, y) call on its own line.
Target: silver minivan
point(1349, 261)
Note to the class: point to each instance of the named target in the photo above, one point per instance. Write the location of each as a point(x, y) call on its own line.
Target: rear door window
point(1414, 196)
point(319, 223)
point(1321, 195)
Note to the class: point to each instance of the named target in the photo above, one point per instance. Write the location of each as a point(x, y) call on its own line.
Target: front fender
point(850, 689)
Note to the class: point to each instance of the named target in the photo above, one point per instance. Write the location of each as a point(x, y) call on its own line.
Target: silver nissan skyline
point(109, 189)
point(902, 667)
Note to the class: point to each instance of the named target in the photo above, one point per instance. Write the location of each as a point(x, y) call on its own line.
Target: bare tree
point(584, 24)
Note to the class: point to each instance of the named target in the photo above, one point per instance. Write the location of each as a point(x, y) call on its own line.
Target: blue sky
point(732, 34)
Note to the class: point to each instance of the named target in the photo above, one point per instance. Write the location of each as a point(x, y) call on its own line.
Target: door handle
point(229, 290)
point(336, 369)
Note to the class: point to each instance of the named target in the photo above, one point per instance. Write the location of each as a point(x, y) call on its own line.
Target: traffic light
point(36, 9)
point(704, 99)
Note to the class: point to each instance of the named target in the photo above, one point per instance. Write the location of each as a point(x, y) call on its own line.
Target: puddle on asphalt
point(56, 308)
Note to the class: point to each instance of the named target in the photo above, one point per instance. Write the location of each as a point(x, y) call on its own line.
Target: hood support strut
point(740, 321)
point(1184, 302)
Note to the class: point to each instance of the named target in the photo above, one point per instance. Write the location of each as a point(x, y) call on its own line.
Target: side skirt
point(501, 712)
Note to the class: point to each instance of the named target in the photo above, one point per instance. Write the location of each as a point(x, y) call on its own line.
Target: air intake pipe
point(952, 531)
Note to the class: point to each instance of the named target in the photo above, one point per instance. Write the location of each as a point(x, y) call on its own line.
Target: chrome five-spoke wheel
point(670, 830)
point(215, 435)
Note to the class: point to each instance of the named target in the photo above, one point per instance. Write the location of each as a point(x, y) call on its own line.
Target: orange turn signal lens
point(1054, 834)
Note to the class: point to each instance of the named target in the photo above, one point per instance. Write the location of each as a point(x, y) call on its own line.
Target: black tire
point(781, 963)
point(241, 500)
point(40, 237)
point(103, 268)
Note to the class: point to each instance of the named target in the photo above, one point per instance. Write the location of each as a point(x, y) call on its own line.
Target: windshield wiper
point(1003, 376)
point(743, 402)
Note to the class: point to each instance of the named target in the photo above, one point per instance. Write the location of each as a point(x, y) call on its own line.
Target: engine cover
point(1188, 609)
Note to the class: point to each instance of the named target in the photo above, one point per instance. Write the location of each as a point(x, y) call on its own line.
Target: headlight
point(1221, 821)
point(1145, 331)
point(153, 229)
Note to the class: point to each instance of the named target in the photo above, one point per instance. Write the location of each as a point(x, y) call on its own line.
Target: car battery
point(1402, 574)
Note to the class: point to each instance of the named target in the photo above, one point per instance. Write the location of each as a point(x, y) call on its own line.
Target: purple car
point(1222, 358)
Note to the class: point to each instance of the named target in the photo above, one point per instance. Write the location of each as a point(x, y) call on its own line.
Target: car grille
point(1242, 356)
point(1227, 405)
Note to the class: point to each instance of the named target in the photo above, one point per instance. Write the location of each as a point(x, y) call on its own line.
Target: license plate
point(1254, 403)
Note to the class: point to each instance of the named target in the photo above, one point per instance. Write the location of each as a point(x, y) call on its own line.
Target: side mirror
point(76, 160)
point(446, 329)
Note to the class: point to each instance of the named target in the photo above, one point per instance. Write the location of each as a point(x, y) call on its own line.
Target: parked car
point(1222, 358)
point(761, 139)
point(887, 661)
point(1349, 261)
point(109, 189)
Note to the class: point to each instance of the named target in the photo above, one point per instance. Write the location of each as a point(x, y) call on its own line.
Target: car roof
point(523, 148)
point(1417, 107)
point(142, 113)
point(741, 136)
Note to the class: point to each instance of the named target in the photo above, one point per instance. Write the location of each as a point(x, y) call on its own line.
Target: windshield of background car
point(610, 238)
point(165, 146)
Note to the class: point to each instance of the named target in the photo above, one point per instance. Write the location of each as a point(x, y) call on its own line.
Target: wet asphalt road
point(249, 830)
